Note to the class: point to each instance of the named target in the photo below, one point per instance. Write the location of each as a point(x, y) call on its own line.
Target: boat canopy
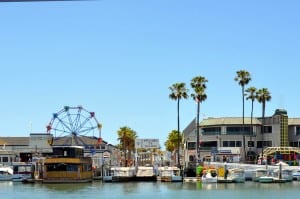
point(282, 150)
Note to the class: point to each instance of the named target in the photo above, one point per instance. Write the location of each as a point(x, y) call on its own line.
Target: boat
point(266, 179)
point(249, 173)
point(121, 174)
point(6, 173)
point(264, 175)
point(209, 176)
point(22, 171)
point(67, 165)
point(169, 174)
point(145, 174)
point(296, 174)
point(286, 174)
point(237, 175)
point(260, 172)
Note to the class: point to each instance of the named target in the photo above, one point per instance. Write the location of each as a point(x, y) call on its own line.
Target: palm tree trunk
point(178, 134)
point(197, 133)
point(244, 142)
point(251, 120)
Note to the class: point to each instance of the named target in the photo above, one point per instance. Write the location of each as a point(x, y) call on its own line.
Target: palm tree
point(263, 96)
point(243, 78)
point(199, 86)
point(171, 143)
point(127, 137)
point(251, 95)
point(178, 91)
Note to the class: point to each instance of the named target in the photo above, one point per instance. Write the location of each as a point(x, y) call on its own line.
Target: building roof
point(294, 121)
point(79, 140)
point(14, 141)
point(228, 121)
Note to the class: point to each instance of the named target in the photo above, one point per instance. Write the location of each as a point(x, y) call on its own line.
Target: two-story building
point(221, 139)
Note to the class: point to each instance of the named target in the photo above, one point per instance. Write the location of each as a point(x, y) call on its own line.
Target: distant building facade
point(221, 139)
point(25, 149)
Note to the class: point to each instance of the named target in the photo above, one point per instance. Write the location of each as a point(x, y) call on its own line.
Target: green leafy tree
point(243, 77)
point(172, 141)
point(127, 137)
point(178, 91)
point(198, 84)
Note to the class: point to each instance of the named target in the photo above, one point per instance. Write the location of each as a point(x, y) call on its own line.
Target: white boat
point(145, 174)
point(237, 175)
point(23, 171)
point(120, 174)
point(260, 172)
point(209, 176)
point(6, 173)
point(266, 179)
point(286, 174)
point(296, 174)
point(169, 174)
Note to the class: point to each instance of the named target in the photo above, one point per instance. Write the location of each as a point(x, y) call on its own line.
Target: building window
point(211, 131)
point(264, 144)
point(297, 130)
point(294, 144)
point(232, 143)
point(191, 145)
point(267, 129)
point(250, 143)
point(208, 144)
point(4, 159)
point(238, 130)
point(225, 144)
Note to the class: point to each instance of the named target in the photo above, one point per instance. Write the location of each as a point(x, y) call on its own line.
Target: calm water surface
point(149, 190)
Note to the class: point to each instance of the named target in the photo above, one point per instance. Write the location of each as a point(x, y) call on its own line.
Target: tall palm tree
point(178, 91)
point(127, 137)
point(198, 84)
point(251, 95)
point(243, 78)
point(263, 96)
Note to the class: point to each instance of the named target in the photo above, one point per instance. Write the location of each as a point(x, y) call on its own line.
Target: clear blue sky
point(118, 58)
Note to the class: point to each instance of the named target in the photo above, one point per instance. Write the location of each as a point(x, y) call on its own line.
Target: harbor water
point(150, 190)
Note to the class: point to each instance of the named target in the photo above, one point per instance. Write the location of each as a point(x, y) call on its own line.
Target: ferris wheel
point(74, 123)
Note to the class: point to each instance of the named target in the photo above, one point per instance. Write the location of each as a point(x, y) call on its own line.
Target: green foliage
point(199, 86)
point(178, 91)
point(172, 141)
point(127, 137)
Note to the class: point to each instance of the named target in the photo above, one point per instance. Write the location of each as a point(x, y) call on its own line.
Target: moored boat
point(286, 174)
point(209, 176)
point(22, 171)
point(6, 173)
point(67, 165)
point(145, 174)
point(121, 174)
point(296, 174)
point(237, 175)
point(260, 172)
point(169, 174)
